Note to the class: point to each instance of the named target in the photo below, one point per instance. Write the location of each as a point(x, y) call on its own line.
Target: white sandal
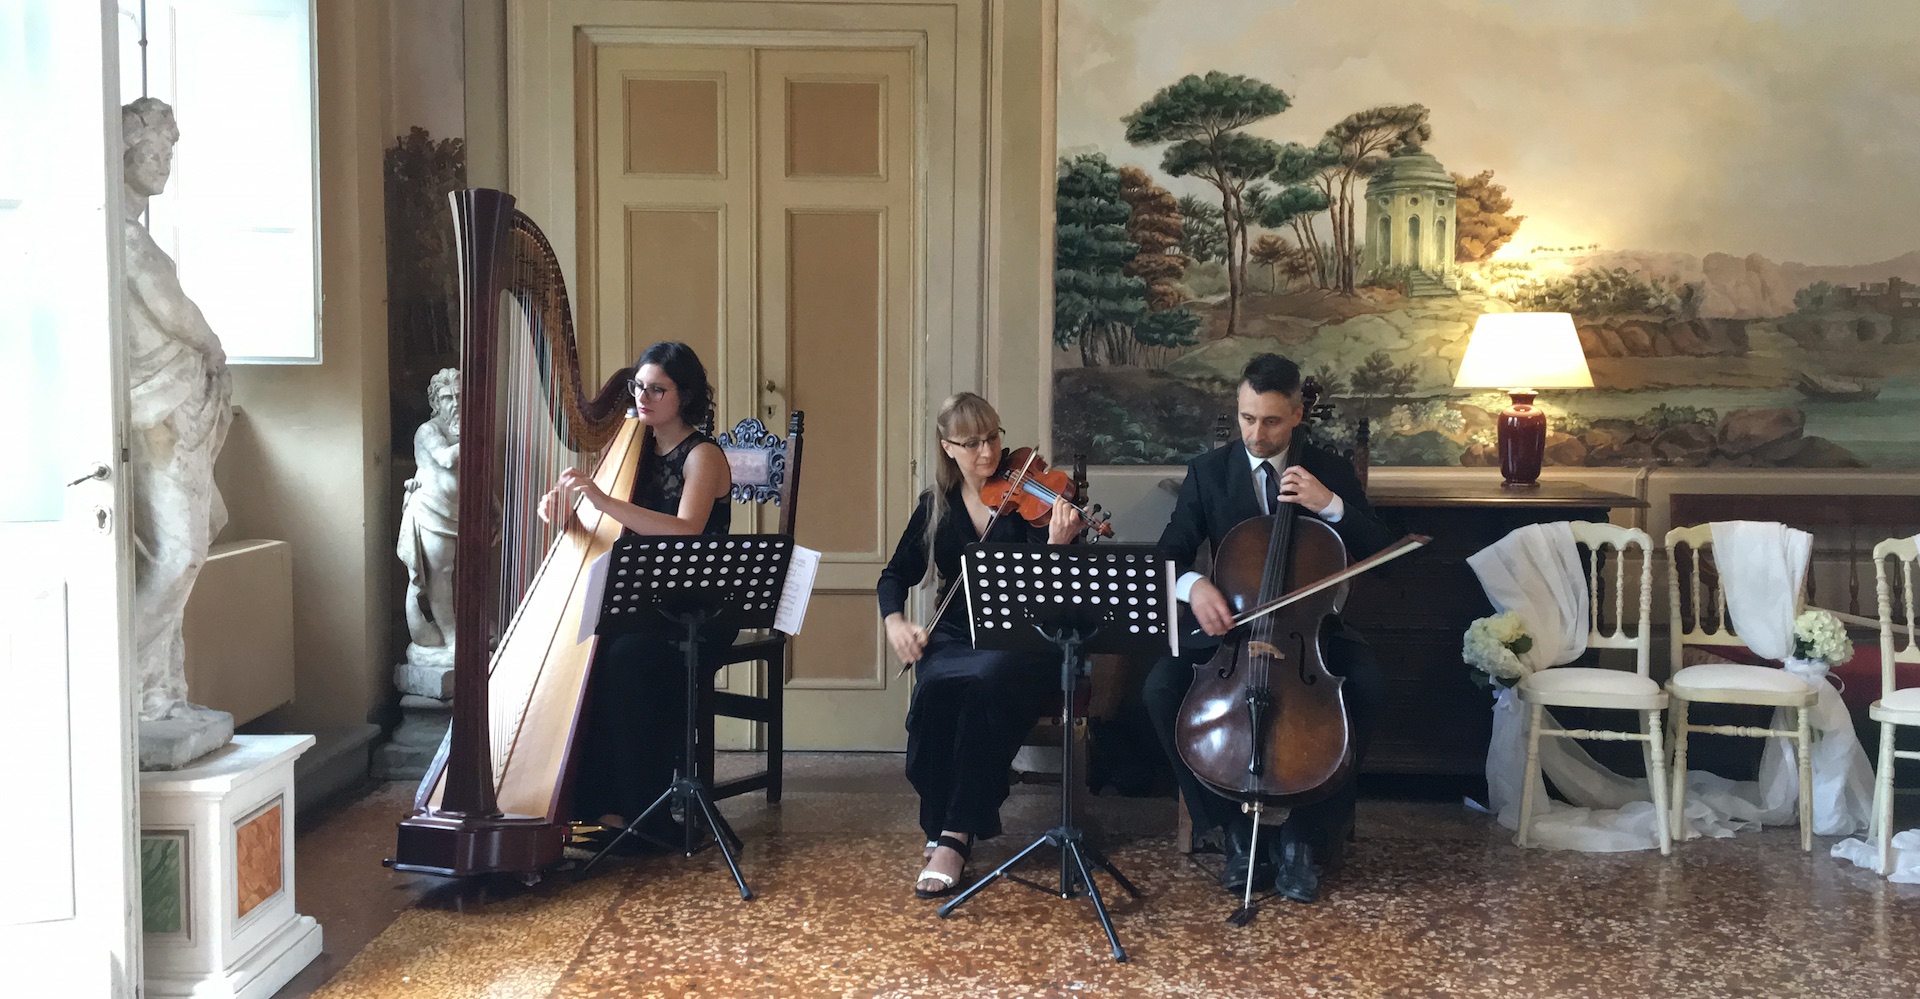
point(947, 881)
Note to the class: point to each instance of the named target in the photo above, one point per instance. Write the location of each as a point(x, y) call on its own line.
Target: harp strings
point(534, 430)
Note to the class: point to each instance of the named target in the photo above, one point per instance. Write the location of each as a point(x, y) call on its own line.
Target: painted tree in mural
point(1268, 251)
point(1094, 297)
point(1201, 117)
point(1361, 143)
point(1202, 237)
point(1305, 178)
point(1157, 228)
point(1481, 223)
point(1154, 226)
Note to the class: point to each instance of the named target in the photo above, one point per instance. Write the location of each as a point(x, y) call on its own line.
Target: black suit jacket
point(1219, 494)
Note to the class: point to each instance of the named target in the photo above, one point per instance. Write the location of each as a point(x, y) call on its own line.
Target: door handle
point(98, 471)
point(773, 392)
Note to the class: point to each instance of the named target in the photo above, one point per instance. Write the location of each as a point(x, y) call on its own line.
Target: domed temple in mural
point(1410, 221)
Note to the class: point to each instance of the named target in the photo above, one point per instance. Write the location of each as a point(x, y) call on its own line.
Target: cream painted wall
point(1020, 232)
point(306, 460)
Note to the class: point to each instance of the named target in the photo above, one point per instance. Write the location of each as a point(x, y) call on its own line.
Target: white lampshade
point(1534, 350)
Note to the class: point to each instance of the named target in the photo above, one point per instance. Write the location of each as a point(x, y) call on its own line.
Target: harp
point(496, 798)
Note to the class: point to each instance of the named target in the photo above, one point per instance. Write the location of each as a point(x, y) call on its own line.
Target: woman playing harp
point(631, 740)
point(499, 796)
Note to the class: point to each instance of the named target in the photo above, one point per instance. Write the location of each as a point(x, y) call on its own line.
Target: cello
point(1264, 721)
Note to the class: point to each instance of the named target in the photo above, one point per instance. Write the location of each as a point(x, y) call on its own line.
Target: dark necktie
point(1270, 486)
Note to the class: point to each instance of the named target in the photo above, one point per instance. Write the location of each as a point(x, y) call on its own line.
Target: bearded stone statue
point(181, 407)
point(427, 531)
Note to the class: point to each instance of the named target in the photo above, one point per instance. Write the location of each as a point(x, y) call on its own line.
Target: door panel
point(68, 917)
point(673, 233)
point(673, 207)
point(836, 336)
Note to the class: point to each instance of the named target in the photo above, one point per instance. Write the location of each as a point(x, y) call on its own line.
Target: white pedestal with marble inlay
point(216, 859)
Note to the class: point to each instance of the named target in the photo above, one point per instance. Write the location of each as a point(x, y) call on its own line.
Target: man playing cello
point(1224, 487)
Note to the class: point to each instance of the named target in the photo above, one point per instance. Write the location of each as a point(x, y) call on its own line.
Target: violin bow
point(991, 520)
point(1380, 558)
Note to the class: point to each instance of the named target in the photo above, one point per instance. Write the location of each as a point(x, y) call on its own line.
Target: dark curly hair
point(689, 377)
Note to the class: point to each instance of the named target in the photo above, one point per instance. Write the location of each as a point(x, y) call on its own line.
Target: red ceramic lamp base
point(1523, 441)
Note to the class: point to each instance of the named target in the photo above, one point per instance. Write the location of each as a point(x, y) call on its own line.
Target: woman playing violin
point(634, 715)
point(971, 707)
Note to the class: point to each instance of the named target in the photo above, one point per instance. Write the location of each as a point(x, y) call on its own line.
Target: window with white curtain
point(239, 216)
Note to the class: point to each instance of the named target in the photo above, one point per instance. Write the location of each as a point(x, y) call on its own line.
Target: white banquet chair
point(1895, 707)
point(1724, 682)
point(1594, 687)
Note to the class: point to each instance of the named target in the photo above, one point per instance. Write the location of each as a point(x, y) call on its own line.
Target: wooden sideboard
point(1414, 610)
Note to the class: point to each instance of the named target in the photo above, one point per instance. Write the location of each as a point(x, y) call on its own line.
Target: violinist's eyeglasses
point(974, 443)
point(649, 391)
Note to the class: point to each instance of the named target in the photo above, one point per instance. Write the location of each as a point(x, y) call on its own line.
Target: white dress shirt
point(1332, 514)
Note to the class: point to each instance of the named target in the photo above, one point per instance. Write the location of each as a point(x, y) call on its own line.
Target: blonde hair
point(961, 415)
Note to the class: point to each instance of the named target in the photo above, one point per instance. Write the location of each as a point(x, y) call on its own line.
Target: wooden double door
point(760, 205)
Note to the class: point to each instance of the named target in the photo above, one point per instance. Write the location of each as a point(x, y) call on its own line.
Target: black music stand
point(1113, 598)
point(695, 581)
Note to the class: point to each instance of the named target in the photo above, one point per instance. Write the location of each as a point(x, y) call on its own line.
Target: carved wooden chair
point(1895, 706)
point(1705, 623)
point(1612, 689)
point(766, 469)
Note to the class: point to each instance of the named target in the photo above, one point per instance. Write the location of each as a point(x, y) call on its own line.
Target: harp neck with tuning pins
point(495, 799)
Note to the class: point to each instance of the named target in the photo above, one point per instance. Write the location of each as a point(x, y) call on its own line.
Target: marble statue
point(181, 407)
point(426, 544)
point(427, 525)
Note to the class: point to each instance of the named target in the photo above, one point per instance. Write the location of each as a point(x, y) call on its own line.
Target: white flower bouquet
point(1493, 646)
point(1818, 635)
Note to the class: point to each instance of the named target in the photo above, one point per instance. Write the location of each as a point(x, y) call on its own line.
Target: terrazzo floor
point(1435, 901)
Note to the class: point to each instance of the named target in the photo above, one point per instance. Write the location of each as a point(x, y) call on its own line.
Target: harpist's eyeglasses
point(974, 443)
point(650, 391)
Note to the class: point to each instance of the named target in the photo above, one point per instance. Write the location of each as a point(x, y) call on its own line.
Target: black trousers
point(971, 710)
point(1166, 687)
point(635, 720)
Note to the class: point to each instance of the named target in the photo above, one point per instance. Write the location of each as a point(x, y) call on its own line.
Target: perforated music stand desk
point(1072, 600)
point(730, 580)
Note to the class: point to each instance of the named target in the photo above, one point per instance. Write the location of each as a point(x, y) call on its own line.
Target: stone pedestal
point(426, 711)
point(216, 860)
point(423, 726)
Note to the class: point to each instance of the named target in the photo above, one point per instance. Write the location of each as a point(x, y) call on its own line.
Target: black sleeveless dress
point(635, 717)
point(971, 707)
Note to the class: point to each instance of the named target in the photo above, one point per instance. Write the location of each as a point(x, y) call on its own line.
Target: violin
point(1024, 481)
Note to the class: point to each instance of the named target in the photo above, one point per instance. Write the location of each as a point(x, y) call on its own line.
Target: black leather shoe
point(1297, 878)
point(1239, 842)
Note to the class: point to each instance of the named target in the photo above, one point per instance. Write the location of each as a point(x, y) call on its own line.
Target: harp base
point(453, 845)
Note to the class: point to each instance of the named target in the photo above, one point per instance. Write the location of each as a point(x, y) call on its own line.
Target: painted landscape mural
point(1722, 192)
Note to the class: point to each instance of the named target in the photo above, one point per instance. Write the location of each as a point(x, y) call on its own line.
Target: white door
point(759, 204)
point(68, 924)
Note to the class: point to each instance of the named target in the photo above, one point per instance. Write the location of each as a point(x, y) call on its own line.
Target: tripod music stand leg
point(721, 833)
point(998, 872)
point(1101, 863)
point(718, 822)
point(1093, 892)
point(633, 826)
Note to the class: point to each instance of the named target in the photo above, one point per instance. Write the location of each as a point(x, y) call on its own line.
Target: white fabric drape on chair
point(1762, 569)
point(1535, 573)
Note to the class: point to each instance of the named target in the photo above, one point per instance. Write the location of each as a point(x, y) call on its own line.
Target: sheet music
point(801, 568)
point(596, 592)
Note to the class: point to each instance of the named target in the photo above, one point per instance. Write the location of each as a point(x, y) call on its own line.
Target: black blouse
point(664, 478)
point(909, 563)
